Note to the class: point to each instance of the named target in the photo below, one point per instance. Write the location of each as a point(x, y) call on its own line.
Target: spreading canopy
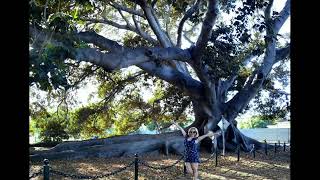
point(218, 57)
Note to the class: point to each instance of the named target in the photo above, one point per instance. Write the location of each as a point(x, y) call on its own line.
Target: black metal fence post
point(212, 149)
point(136, 164)
point(275, 148)
point(184, 169)
point(266, 147)
point(254, 151)
point(238, 152)
point(216, 153)
point(46, 169)
point(284, 146)
point(166, 148)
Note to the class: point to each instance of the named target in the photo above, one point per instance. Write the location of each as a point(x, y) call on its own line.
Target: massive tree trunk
point(131, 144)
point(207, 120)
point(114, 147)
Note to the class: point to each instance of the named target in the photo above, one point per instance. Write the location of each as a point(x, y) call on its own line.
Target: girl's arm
point(209, 134)
point(181, 129)
point(200, 138)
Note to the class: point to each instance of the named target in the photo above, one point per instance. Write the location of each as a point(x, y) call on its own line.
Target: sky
point(83, 93)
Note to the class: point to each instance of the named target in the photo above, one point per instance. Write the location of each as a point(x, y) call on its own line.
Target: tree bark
point(129, 145)
point(114, 147)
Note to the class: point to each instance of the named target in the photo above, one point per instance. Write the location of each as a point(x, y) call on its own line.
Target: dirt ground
point(271, 166)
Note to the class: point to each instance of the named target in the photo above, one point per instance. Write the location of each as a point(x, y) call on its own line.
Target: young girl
point(191, 152)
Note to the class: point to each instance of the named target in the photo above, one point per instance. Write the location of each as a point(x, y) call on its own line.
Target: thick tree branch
point(118, 59)
point(88, 37)
point(110, 61)
point(124, 18)
point(162, 37)
point(186, 83)
point(225, 85)
point(126, 27)
point(171, 53)
point(197, 52)
point(142, 33)
point(210, 88)
point(250, 88)
point(100, 41)
point(128, 10)
point(211, 91)
point(188, 14)
point(206, 30)
point(39, 37)
point(282, 53)
point(167, 24)
point(153, 22)
point(156, 18)
point(270, 39)
point(242, 98)
point(267, 12)
point(202, 73)
point(153, 3)
point(283, 16)
point(136, 24)
point(137, 28)
point(278, 91)
point(129, 57)
point(45, 11)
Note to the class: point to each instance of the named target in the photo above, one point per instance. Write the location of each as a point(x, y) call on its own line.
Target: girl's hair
point(195, 129)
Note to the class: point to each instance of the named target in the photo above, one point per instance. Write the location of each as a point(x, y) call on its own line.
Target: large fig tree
point(215, 64)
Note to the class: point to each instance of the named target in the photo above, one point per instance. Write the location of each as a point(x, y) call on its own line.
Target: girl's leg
point(194, 167)
point(189, 169)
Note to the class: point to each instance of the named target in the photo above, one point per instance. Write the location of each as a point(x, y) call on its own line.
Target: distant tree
point(257, 122)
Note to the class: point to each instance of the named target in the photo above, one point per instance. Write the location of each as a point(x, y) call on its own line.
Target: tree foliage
point(260, 121)
point(50, 126)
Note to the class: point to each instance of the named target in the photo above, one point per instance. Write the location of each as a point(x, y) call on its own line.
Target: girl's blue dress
point(191, 151)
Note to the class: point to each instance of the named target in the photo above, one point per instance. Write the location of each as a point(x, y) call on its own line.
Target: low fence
point(46, 171)
point(271, 134)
